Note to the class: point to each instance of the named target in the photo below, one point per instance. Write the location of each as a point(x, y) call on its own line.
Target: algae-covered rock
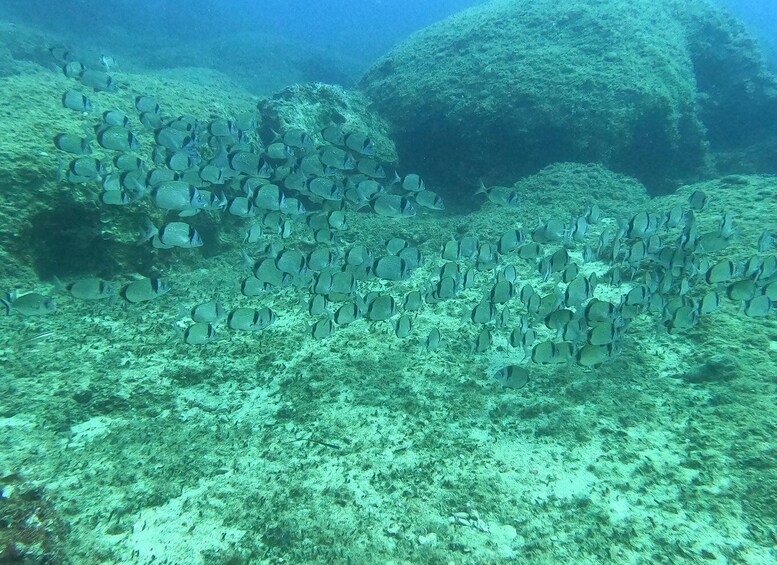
point(566, 188)
point(505, 88)
point(314, 106)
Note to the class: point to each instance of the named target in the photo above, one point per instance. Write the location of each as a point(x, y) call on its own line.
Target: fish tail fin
point(59, 286)
point(7, 305)
point(147, 230)
point(481, 188)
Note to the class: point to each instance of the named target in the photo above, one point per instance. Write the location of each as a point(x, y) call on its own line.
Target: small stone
point(428, 539)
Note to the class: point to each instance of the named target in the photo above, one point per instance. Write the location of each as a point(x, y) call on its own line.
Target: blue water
point(346, 35)
point(760, 16)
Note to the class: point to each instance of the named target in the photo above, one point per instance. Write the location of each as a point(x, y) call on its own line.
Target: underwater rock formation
point(504, 89)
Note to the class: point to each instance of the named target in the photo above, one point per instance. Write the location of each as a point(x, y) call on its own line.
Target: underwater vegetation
point(397, 324)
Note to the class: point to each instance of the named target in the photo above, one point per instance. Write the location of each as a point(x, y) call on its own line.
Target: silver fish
point(512, 376)
point(76, 101)
point(249, 319)
point(393, 206)
point(199, 333)
point(28, 304)
point(211, 312)
point(117, 138)
point(72, 144)
point(391, 268)
point(91, 289)
point(144, 290)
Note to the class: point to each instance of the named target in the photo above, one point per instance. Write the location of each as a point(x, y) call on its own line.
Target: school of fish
point(560, 293)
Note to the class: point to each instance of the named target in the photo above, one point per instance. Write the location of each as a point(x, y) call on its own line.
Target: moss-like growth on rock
point(314, 106)
point(504, 89)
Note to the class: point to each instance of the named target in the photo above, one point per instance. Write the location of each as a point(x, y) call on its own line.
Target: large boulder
point(503, 89)
point(314, 106)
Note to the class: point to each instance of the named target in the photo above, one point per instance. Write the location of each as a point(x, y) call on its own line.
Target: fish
point(593, 355)
point(593, 214)
point(758, 307)
point(501, 292)
point(337, 220)
point(509, 274)
point(250, 319)
point(682, 318)
point(413, 301)
point(199, 333)
point(146, 104)
point(129, 163)
point(765, 241)
point(325, 188)
point(150, 121)
point(413, 257)
point(28, 304)
point(396, 244)
point(333, 134)
point(72, 144)
point(174, 139)
point(181, 162)
point(360, 143)
point(107, 62)
point(177, 195)
point(76, 101)
point(727, 227)
point(698, 200)
point(347, 313)
point(510, 241)
point(578, 229)
point(598, 311)
point(483, 313)
point(239, 206)
point(210, 312)
point(381, 308)
point(298, 138)
point(98, 80)
point(722, 271)
point(709, 303)
point(391, 268)
point(320, 258)
point(143, 290)
point(317, 306)
point(371, 168)
point(433, 340)
point(291, 261)
point(91, 288)
point(393, 206)
point(61, 54)
point(446, 288)
point(549, 232)
point(337, 159)
point(269, 197)
point(741, 290)
point(483, 341)
point(117, 138)
point(512, 376)
point(322, 328)
point(86, 168)
point(559, 318)
point(177, 234)
point(73, 69)
point(429, 200)
point(413, 183)
point(604, 333)
point(403, 326)
point(552, 352)
point(500, 195)
point(578, 291)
